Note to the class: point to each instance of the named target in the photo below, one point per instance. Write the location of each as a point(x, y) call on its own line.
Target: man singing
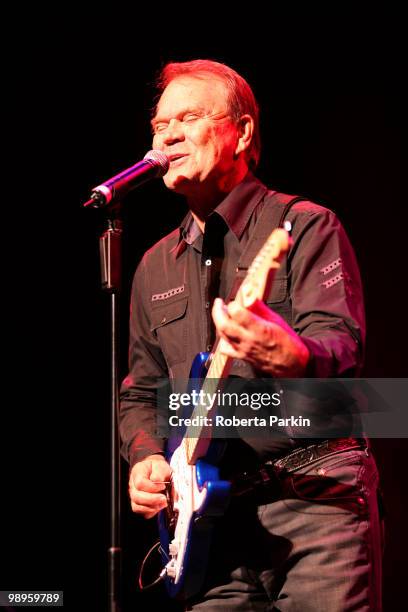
point(316, 547)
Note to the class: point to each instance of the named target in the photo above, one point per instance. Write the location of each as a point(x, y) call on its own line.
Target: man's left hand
point(261, 337)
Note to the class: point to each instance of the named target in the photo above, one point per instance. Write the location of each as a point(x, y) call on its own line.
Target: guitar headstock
point(259, 278)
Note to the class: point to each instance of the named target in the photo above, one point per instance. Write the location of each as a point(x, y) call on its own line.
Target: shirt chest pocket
point(278, 299)
point(169, 324)
point(278, 290)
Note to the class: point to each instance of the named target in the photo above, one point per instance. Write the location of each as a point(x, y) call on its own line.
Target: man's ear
point(245, 133)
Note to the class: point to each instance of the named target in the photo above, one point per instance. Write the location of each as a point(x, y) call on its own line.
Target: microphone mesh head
point(160, 160)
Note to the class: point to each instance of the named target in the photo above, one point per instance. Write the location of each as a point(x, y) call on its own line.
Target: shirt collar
point(190, 231)
point(236, 210)
point(237, 207)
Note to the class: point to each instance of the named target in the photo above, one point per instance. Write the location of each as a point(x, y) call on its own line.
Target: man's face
point(193, 128)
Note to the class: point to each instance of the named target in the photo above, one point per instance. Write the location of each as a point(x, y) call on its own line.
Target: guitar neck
point(197, 438)
point(255, 286)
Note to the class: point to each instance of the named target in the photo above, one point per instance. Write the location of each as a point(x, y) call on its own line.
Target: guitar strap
point(272, 216)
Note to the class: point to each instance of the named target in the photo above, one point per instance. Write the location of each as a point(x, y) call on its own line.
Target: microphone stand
point(154, 164)
point(110, 244)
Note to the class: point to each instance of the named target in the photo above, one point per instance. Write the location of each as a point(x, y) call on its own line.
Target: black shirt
point(317, 291)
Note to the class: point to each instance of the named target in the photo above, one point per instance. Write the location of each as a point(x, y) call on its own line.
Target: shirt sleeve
point(327, 296)
point(138, 401)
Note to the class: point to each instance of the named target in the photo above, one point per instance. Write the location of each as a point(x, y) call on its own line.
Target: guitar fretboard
point(254, 287)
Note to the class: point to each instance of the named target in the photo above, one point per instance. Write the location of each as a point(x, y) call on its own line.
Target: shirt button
point(208, 347)
point(208, 262)
point(207, 304)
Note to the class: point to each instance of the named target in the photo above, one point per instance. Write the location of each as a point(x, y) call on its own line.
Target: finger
point(150, 500)
point(228, 349)
point(252, 319)
point(219, 312)
point(143, 510)
point(234, 321)
point(261, 310)
point(141, 483)
point(241, 315)
point(227, 327)
point(265, 325)
point(161, 471)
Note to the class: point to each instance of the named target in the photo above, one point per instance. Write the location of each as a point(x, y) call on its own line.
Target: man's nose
point(173, 132)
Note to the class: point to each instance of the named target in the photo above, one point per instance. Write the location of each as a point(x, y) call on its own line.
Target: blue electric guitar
point(196, 494)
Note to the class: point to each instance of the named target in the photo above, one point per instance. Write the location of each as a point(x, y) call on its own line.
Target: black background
point(330, 88)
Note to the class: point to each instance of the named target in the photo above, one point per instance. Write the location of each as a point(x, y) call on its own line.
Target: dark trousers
point(318, 548)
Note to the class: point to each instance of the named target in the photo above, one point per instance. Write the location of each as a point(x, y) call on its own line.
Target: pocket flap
point(166, 313)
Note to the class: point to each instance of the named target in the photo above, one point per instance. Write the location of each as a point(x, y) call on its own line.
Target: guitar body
point(199, 495)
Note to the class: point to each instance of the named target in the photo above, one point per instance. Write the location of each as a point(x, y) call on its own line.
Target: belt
point(303, 456)
point(273, 470)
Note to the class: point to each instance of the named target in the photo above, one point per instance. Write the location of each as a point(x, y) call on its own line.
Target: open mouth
point(176, 158)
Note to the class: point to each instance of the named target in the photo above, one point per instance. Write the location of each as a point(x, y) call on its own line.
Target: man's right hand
point(145, 483)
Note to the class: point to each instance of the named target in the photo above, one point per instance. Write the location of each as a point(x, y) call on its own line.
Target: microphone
point(154, 165)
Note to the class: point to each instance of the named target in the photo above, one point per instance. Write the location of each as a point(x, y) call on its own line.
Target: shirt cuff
point(138, 454)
